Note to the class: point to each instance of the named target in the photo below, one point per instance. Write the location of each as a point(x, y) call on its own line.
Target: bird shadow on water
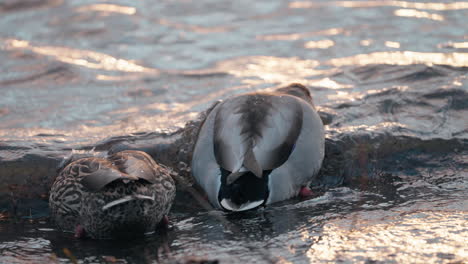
point(38, 241)
point(135, 250)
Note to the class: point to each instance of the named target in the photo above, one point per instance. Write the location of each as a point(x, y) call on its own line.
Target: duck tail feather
point(251, 163)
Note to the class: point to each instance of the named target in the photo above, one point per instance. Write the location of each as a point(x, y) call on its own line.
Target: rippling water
point(389, 77)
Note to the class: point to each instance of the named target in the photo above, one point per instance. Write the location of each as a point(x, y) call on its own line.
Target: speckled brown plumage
point(79, 197)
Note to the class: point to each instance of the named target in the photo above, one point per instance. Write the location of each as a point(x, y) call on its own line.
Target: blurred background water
point(390, 75)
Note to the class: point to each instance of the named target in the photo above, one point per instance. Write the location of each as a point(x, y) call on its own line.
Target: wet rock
point(355, 159)
point(25, 182)
point(194, 260)
point(26, 176)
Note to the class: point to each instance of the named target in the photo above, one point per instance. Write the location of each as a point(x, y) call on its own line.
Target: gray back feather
point(256, 131)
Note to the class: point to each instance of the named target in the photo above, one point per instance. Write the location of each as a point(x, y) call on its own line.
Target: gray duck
point(259, 148)
point(122, 194)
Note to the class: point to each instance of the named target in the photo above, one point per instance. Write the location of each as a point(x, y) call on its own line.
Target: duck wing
point(129, 165)
point(136, 165)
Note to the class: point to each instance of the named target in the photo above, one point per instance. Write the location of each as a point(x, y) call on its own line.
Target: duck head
point(242, 191)
point(298, 90)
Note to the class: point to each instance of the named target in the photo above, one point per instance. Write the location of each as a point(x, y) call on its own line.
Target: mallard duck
point(259, 148)
point(125, 193)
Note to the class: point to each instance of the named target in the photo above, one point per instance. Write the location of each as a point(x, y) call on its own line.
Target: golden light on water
point(87, 132)
point(329, 83)
point(455, 45)
point(403, 58)
point(193, 28)
point(85, 58)
point(109, 8)
point(127, 77)
point(402, 4)
point(366, 42)
point(341, 95)
point(302, 4)
point(392, 44)
point(270, 69)
point(379, 126)
point(418, 237)
point(417, 14)
point(320, 44)
point(460, 45)
point(296, 36)
point(256, 70)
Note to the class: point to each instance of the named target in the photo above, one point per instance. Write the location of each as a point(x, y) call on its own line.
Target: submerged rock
point(352, 156)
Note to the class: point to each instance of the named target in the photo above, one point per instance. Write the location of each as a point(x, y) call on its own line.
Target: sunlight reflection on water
point(85, 58)
point(126, 10)
point(296, 36)
point(418, 14)
point(271, 69)
point(321, 44)
point(404, 58)
point(404, 4)
point(387, 237)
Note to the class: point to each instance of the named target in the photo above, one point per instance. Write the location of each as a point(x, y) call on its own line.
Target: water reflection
point(403, 4)
point(260, 69)
point(108, 8)
point(455, 45)
point(320, 44)
point(382, 236)
point(271, 69)
point(7, 6)
point(26, 250)
point(392, 44)
point(418, 14)
point(296, 36)
point(193, 28)
point(113, 78)
point(366, 42)
point(403, 58)
point(85, 58)
point(381, 125)
point(331, 84)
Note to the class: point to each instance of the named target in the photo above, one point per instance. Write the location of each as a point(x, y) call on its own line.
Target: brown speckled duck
point(122, 194)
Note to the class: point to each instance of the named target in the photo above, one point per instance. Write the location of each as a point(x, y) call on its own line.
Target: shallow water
point(389, 77)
